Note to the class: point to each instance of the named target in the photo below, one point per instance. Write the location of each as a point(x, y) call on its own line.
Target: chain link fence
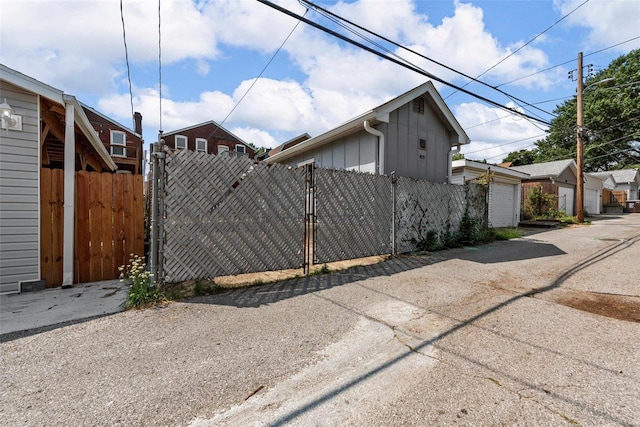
point(225, 216)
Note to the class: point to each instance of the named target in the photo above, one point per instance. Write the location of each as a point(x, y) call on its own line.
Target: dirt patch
point(191, 288)
point(620, 307)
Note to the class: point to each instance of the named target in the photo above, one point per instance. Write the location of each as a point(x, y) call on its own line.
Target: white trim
point(186, 142)
point(470, 164)
point(39, 193)
point(223, 149)
point(377, 115)
point(244, 148)
point(112, 143)
point(69, 194)
point(306, 162)
point(205, 145)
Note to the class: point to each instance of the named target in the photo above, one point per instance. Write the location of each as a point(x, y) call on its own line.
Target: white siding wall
point(403, 153)
point(355, 152)
point(504, 196)
point(19, 193)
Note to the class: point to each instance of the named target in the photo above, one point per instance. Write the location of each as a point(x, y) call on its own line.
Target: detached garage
point(504, 189)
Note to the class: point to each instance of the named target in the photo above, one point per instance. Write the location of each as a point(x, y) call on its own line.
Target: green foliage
point(457, 156)
point(522, 157)
point(318, 271)
point(201, 288)
point(472, 231)
point(429, 242)
point(507, 233)
point(539, 204)
point(142, 291)
point(612, 130)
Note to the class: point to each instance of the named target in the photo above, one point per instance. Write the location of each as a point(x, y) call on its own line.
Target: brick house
point(123, 144)
point(208, 137)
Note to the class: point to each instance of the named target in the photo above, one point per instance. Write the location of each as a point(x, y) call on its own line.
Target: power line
point(395, 61)
point(567, 62)
point(330, 15)
point(257, 78)
point(588, 148)
point(126, 57)
point(538, 35)
point(506, 143)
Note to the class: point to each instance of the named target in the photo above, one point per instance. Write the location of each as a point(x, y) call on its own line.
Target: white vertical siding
point(19, 192)
point(403, 154)
point(355, 152)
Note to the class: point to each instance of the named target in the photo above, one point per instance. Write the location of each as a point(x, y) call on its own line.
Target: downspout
point(69, 194)
point(450, 167)
point(380, 136)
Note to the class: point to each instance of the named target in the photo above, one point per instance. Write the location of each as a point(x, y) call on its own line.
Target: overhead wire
point(256, 79)
point(336, 19)
point(398, 62)
point(568, 62)
point(126, 57)
point(531, 40)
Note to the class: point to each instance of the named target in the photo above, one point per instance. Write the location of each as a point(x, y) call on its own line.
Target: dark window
point(418, 105)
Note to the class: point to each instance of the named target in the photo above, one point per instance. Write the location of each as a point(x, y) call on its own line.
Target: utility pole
point(580, 153)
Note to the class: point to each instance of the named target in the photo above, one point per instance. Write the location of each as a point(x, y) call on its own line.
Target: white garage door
point(502, 205)
point(565, 200)
point(591, 201)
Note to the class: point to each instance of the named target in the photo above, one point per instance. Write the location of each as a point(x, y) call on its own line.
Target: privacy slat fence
point(225, 216)
point(354, 213)
point(109, 224)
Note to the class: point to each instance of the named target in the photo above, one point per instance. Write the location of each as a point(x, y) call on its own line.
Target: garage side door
point(591, 201)
point(565, 200)
point(502, 209)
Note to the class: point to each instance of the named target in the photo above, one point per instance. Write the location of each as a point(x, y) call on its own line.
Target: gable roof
point(378, 114)
point(547, 169)
point(603, 176)
point(625, 175)
point(30, 84)
point(464, 163)
point(218, 130)
point(109, 119)
point(290, 143)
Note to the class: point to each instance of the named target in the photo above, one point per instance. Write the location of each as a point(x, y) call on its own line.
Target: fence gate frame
point(310, 229)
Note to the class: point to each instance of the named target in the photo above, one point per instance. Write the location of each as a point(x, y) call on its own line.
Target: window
point(241, 150)
point(223, 149)
point(181, 142)
point(201, 145)
point(118, 144)
point(418, 105)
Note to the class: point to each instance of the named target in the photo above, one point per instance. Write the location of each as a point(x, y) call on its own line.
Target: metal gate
point(354, 215)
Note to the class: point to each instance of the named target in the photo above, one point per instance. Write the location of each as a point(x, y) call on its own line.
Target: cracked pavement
point(471, 336)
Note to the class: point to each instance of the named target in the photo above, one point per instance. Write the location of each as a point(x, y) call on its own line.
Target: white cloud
point(77, 46)
point(609, 22)
point(257, 137)
point(494, 132)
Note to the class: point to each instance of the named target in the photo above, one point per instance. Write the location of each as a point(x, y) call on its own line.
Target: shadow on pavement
point(255, 296)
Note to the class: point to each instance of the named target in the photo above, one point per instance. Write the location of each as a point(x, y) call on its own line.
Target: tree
point(522, 157)
point(612, 127)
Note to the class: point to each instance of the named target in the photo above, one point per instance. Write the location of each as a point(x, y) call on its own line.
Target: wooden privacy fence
point(109, 224)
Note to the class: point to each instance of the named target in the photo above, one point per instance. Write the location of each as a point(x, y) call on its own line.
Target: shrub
point(142, 290)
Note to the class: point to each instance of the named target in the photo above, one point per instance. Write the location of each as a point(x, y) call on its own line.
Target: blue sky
point(213, 51)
